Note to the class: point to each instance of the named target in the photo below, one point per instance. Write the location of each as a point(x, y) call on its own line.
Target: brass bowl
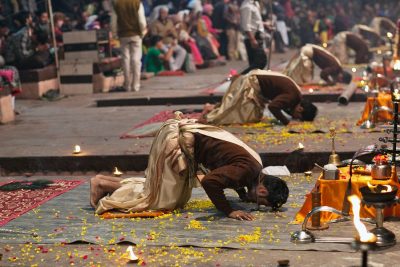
point(381, 172)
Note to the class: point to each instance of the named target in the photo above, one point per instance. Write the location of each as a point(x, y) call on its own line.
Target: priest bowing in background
point(349, 40)
point(301, 67)
point(179, 150)
point(245, 100)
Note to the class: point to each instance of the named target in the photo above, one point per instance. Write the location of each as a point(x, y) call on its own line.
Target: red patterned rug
point(15, 203)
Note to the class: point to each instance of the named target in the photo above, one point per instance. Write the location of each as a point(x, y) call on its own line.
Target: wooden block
point(79, 37)
point(92, 55)
point(76, 88)
point(103, 84)
point(37, 89)
point(75, 68)
point(6, 110)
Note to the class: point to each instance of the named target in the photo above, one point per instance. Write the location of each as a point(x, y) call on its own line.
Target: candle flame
point(371, 186)
point(131, 255)
point(387, 190)
point(117, 172)
point(365, 236)
point(301, 146)
point(77, 149)
point(396, 65)
point(396, 93)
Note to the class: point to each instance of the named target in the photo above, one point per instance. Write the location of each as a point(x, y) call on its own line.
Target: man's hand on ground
point(293, 123)
point(241, 215)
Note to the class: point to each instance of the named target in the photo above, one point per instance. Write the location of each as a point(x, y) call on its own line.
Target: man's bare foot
point(208, 108)
point(94, 191)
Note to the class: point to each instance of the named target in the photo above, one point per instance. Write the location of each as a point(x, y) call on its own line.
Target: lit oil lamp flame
point(389, 35)
point(353, 69)
point(77, 149)
point(396, 93)
point(300, 146)
point(311, 90)
point(371, 187)
point(396, 65)
point(129, 255)
point(387, 190)
point(325, 45)
point(132, 256)
point(117, 172)
point(365, 236)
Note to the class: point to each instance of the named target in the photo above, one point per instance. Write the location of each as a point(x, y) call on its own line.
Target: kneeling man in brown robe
point(180, 149)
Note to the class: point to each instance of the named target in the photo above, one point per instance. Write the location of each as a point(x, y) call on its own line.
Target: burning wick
point(396, 65)
point(396, 92)
point(131, 256)
point(387, 190)
point(77, 149)
point(300, 147)
point(117, 173)
point(371, 186)
point(363, 233)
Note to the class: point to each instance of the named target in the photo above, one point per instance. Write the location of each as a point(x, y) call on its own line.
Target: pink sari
point(197, 57)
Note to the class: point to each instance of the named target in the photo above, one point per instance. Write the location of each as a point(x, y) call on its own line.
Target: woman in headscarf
point(185, 39)
point(206, 29)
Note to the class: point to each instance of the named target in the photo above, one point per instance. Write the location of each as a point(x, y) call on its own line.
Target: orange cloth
point(383, 99)
point(333, 192)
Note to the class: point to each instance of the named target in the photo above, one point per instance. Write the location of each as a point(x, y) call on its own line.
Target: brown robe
point(283, 93)
point(328, 64)
point(360, 47)
point(230, 165)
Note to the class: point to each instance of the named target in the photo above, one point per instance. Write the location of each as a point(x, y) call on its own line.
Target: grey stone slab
point(68, 218)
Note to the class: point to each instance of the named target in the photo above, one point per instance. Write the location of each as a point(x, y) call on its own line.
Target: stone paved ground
point(53, 128)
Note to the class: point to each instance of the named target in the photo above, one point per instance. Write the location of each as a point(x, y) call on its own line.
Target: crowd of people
point(181, 35)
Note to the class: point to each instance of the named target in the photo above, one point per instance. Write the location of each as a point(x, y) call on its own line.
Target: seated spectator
point(181, 19)
point(43, 23)
point(205, 28)
point(204, 45)
point(4, 31)
point(20, 50)
point(58, 19)
point(165, 28)
point(155, 57)
point(9, 77)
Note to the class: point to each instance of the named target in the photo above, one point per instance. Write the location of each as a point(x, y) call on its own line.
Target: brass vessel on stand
point(333, 158)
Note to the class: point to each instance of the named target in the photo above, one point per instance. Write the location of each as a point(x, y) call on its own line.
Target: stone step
point(125, 163)
point(199, 99)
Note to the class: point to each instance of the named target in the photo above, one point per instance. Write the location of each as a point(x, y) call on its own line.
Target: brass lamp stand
point(333, 158)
